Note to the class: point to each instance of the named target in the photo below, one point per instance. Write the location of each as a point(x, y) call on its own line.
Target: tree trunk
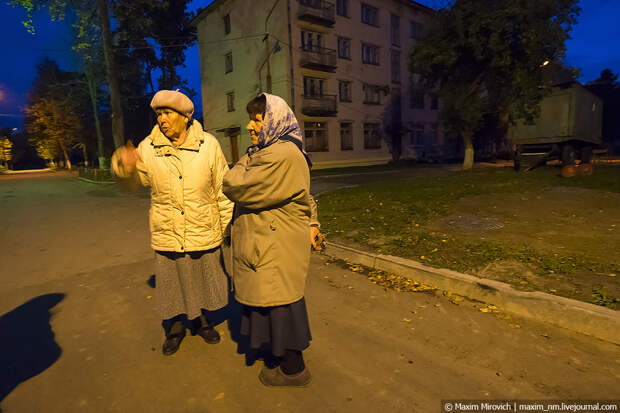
point(397, 146)
point(118, 132)
point(65, 154)
point(92, 91)
point(468, 161)
point(85, 152)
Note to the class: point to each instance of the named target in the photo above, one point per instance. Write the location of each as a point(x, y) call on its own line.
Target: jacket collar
point(192, 142)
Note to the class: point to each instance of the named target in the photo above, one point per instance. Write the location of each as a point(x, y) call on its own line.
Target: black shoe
point(209, 334)
point(172, 344)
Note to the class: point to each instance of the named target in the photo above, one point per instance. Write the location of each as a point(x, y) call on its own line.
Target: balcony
point(317, 11)
point(318, 58)
point(319, 105)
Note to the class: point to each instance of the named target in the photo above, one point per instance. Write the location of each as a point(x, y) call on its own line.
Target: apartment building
point(342, 67)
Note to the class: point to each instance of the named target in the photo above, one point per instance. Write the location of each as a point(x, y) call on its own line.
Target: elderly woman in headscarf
point(184, 166)
point(270, 186)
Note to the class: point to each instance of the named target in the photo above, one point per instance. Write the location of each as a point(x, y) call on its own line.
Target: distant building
point(341, 66)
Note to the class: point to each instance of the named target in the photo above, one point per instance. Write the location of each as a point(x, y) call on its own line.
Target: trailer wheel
point(586, 154)
point(568, 155)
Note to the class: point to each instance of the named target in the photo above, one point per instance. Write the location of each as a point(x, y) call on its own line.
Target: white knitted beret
point(174, 100)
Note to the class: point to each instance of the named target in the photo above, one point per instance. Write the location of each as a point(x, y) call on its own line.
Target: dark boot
point(173, 338)
point(207, 332)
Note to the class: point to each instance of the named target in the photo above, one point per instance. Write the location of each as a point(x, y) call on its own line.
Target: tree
point(150, 35)
point(608, 89)
point(156, 33)
point(6, 152)
point(486, 57)
point(56, 10)
point(55, 112)
point(88, 46)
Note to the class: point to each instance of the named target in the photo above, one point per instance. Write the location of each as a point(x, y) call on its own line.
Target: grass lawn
point(535, 230)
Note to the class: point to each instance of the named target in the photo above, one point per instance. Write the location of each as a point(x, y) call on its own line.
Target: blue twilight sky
point(595, 45)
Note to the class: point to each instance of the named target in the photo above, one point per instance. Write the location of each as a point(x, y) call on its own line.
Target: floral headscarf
point(279, 123)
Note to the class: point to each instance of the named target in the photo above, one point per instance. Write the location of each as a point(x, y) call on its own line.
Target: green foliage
point(485, 57)
point(144, 26)
point(55, 112)
point(6, 151)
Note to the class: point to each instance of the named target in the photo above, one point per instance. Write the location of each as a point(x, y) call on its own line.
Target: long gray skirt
point(283, 327)
point(186, 283)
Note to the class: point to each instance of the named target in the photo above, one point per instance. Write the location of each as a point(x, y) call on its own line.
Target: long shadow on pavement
point(27, 344)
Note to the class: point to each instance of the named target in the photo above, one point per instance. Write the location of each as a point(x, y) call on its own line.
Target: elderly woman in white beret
point(184, 166)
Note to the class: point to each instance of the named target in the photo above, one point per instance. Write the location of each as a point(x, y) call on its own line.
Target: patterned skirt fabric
point(185, 283)
point(284, 327)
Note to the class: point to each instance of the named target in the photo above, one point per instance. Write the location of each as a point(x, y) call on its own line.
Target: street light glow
point(545, 63)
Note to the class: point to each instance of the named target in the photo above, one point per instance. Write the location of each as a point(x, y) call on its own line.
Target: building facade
point(342, 67)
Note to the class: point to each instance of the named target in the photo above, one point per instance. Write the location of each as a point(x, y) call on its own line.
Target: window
point(417, 99)
point(416, 136)
point(313, 87)
point(316, 136)
point(395, 29)
point(370, 54)
point(434, 102)
point(372, 136)
point(370, 15)
point(371, 94)
point(346, 136)
point(416, 30)
point(432, 136)
point(344, 91)
point(227, 24)
point(311, 41)
point(342, 8)
point(344, 48)
point(230, 101)
point(228, 63)
point(395, 58)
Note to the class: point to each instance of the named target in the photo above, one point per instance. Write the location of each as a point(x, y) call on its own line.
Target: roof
point(202, 13)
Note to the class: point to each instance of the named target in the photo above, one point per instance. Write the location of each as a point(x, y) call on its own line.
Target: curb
point(95, 182)
point(585, 318)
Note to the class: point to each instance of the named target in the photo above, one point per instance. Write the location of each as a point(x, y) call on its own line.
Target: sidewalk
point(373, 350)
point(590, 319)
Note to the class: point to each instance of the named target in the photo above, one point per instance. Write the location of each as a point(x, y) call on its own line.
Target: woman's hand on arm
point(125, 159)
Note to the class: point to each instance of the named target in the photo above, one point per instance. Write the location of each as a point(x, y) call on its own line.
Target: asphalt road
point(78, 331)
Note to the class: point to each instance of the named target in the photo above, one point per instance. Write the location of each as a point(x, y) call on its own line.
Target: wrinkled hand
point(316, 238)
point(129, 156)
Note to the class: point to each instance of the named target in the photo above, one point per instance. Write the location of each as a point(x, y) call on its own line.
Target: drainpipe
point(267, 50)
point(290, 52)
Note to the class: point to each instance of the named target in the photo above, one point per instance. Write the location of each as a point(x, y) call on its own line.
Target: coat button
point(182, 212)
point(180, 177)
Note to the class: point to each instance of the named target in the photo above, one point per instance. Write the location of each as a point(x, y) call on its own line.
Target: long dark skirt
point(187, 283)
point(283, 327)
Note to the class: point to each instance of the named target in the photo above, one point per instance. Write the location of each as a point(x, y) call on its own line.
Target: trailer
point(568, 128)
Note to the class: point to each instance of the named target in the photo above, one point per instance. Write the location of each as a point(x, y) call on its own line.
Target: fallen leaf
point(407, 320)
point(326, 277)
point(148, 297)
point(219, 396)
point(612, 275)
